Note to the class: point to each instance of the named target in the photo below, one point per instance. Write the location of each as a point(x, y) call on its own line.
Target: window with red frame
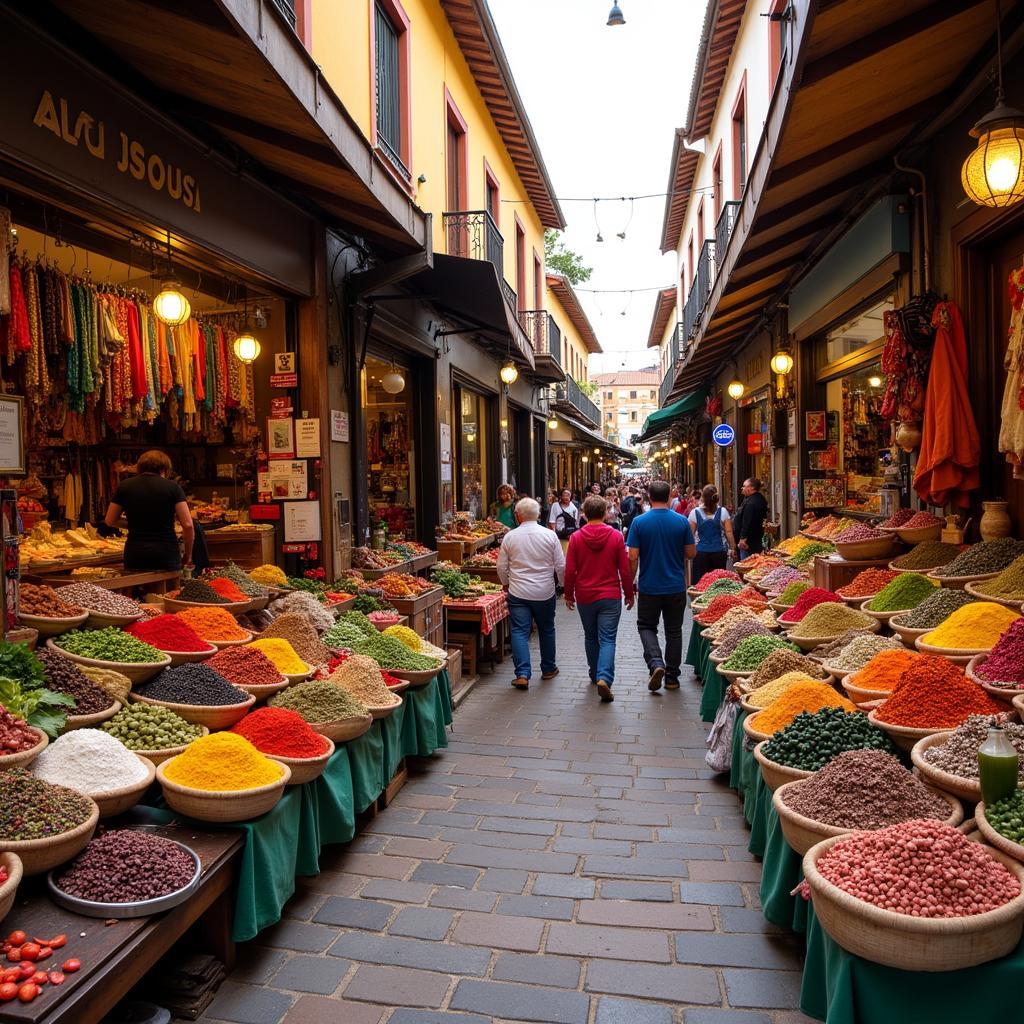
point(776, 40)
point(739, 140)
point(391, 81)
point(717, 182)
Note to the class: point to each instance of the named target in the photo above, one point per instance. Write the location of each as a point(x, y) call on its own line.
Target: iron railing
point(543, 333)
point(510, 296)
point(287, 8)
point(571, 393)
point(676, 347)
point(691, 311)
point(724, 228)
point(705, 275)
point(555, 342)
point(474, 235)
point(666, 386)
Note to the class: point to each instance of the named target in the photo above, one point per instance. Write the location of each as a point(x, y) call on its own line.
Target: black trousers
point(705, 561)
point(669, 608)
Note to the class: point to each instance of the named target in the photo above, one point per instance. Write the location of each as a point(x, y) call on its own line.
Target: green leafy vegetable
point(19, 663)
point(38, 706)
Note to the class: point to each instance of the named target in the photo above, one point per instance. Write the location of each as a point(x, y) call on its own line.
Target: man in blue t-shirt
point(661, 542)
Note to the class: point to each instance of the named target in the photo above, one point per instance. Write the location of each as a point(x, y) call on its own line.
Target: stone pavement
point(563, 861)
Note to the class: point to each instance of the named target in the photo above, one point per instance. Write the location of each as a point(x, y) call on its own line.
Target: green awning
point(664, 418)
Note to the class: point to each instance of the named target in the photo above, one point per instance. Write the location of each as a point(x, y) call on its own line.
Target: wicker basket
point(994, 838)
point(344, 730)
point(752, 734)
point(902, 735)
point(222, 805)
point(25, 757)
point(116, 684)
point(306, 769)
point(1006, 602)
point(866, 550)
point(136, 672)
point(860, 695)
point(159, 756)
point(802, 833)
point(999, 692)
point(966, 789)
point(214, 717)
point(39, 855)
point(958, 582)
point(914, 943)
point(24, 635)
point(188, 657)
point(117, 801)
point(920, 534)
point(261, 691)
point(88, 721)
point(906, 633)
point(775, 774)
point(957, 655)
point(46, 625)
point(11, 863)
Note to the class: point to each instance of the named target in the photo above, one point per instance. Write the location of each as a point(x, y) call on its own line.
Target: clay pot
point(908, 436)
point(995, 520)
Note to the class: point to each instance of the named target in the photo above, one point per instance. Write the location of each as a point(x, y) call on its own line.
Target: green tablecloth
point(781, 873)
point(693, 648)
point(714, 684)
point(841, 988)
point(757, 809)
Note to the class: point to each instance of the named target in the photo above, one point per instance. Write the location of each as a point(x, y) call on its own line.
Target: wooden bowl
point(117, 801)
point(752, 734)
point(882, 617)
point(907, 634)
point(859, 600)
point(802, 833)
point(344, 730)
point(306, 769)
point(159, 756)
point(965, 789)
point(860, 695)
point(981, 596)
point(994, 838)
point(958, 582)
point(185, 657)
point(902, 735)
point(88, 721)
point(865, 550)
point(423, 675)
point(957, 655)
point(224, 805)
point(379, 711)
point(172, 604)
point(261, 691)
point(914, 943)
point(733, 675)
point(39, 855)
point(25, 757)
point(716, 659)
point(48, 626)
point(779, 607)
point(919, 534)
point(775, 774)
point(221, 644)
point(137, 672)
point(999, 692)
point(807, 643)
point(100, 620)
point(404, 685)
point(11, 863)
point(299, 677)
point(214, 717)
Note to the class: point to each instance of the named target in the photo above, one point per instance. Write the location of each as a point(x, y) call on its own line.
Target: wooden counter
point(246, 548)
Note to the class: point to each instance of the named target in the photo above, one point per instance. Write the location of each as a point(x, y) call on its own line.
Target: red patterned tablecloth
point(492, 608)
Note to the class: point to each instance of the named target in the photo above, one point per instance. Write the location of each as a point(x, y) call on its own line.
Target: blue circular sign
point(723, 435)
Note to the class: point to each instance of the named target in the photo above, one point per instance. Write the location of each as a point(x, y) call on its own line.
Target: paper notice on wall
point(339, 426)
point(301, 521)
point(307, 439)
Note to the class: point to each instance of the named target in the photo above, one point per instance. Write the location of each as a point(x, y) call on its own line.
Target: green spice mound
point(792, 593)
point(110, 644)
point(936, 608)
point(319, 701)
point(926, 556)
point(1009, 584)
point(33, 809)
point(1006, 816)
point(808, 552)
point(751, 652)
point(810, 741)
point(391, 653)
point(343, 634)
point(361, 622)
point(908, 590)
point(150, 727)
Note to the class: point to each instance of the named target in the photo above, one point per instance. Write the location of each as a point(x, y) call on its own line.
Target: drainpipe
point(926, 241)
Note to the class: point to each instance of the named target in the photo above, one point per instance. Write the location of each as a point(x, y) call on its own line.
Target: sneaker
point(605, 692)
point(551, 674)
point(671, 684)
point(657, 674)
point(521, 683)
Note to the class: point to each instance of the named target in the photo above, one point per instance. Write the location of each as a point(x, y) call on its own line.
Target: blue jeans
point(522, 614)
point(600, 624)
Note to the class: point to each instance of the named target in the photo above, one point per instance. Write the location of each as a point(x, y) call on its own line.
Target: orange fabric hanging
point(947, 468)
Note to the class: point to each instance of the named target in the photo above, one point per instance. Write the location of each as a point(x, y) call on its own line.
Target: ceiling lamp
point(552, 423)
point(686, 444)
point(586, 458)
point(993, 174)
point(170, 306)
point(597, 451)
point(782, 362)
point(875, 381)
point(615, 16)
point(471, 437)
point(735, 389)
point(393, 382)
point(508, 373)
point(246, 348)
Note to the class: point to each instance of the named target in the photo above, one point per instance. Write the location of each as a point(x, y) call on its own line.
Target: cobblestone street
point(562, 861)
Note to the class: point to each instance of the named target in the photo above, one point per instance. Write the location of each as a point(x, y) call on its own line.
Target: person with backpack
point(564, 518)
point(713, 530)
point(629, 509)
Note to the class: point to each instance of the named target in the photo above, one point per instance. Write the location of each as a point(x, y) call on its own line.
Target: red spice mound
point(227, 589)
point(280, 732)
point(718, 607)
point(713, 577)
point(807, 600)
point(922, 519)
point(868, 583)
point(899, 518)
point(245, 666)
point(168, 633)
point(935, 694)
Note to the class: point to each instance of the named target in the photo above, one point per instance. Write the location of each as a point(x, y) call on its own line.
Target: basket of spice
point(222, 777)
point(930, 613)
point(10, 879)
point(773, 773)
point(988, 670)
point(216, 625)
point(982, 561)
point(949, 760)
point(249, 669)
point(175, 637)
point(41, 609)
point(327, 708)
point(879, 677)
point(22, 743)
point(857, 790)
point(111, 648)
point(152, 731)
point(284, 658)
point(286, 736)
point(105, 607)
point(300, 633)
point(895, 908)
point(417, 645)
point(45, 825)
point(360, 676)
point(1007, 588)
point(93, 762)
point(904, 593)
point(860, 542)
point(125, 874)
point(199, 593)
point(395, 657)
point(826, 621)
point(809, 696)
point(197, 693)
point(852, 651)
point(865, 585)
point(973, 629)
point(920, 528)
point(761, 697)
point(1001, 824)
point(92, 703)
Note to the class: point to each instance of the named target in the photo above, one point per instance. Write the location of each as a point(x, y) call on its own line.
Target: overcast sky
point(604, 103)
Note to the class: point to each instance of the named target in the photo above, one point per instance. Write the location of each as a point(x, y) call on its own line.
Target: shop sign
point(723, 435)
point(301, 521)
point(339, 426)
point(264, 512)
point(794, 489)
point(293, 549)
point(64, 119)
point(12, 434)
point(284, 380)
point(280, 408)
point(755, 444)
point(284, 362)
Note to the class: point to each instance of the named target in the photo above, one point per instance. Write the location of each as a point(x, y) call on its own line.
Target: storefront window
point(390, 453)
point(863, 329)
point(471, 455)
point(759, 454)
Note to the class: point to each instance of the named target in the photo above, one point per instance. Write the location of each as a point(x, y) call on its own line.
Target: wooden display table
point(421, 563)
point(489, 574)
point(375, 574)
point(456, 550)
point(834, 572)
point(125, 582)
point(115, 957)
point(247, 548)
point(486, 623)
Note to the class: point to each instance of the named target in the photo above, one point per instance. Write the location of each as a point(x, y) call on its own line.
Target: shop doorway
point(474, 453)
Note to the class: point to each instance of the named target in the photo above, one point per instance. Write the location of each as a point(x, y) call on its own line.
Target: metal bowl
point(141, 908)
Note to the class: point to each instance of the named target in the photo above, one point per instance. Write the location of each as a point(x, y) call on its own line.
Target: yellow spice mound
point(766, 695)
point(811, 696)
point(405, 635)
point(269, 575)
point(282, 654)
point(973, 627)
point(222, 761)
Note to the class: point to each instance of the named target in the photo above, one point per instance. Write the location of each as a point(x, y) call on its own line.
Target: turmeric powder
point(222, 761)
point(283, 655)
point(811, 696)
point(975, 626)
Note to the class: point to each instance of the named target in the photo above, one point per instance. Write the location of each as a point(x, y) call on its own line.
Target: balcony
point(546, 339)
point(724, 228)
point(666, 386)
point(287, 8)
point(570, 399)
point(700, 289)
point(473, 235)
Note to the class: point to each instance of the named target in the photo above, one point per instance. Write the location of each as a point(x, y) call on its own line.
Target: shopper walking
point(503, 510)
point(629, 509)
point(750, 518)
point(529, 560)
point(661, 541)
point(711, 524)
point(564, 518)
point(597, 575)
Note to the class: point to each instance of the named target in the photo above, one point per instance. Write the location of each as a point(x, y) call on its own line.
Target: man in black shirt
point(748, 523)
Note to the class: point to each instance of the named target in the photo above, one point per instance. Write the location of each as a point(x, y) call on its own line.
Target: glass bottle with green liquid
point(998, 764)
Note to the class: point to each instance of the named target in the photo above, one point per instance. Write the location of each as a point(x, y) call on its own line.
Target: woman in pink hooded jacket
point(596, 577)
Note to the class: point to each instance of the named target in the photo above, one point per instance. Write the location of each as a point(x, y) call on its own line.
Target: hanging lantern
point(735, 389)
point(552, 423)
point(471, 437)
point(586, 458)
point(597, 451)
point(246, 348)
point(615, 16)
point(782, 362)
point(875, 381)
point(393, 383)
point(993, 174)
point(508, 373)
point(170, 306)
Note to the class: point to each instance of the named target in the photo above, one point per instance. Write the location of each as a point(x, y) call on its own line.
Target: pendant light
point(782, 362)
point(552, 422)
point(735, 389)
point(393, 382)
point(246, 347)
point(615, 16)
point(993, 174)
point(170, 305)
point(508, 373)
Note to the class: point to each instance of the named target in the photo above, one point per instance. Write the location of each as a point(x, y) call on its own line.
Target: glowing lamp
point(509, 374)
point(552, 423)
point(782, 362)
point(875, 382)
point(393, 383)
point(246, 348)
point(170, 306)
point(992, 173)
point(735, 389)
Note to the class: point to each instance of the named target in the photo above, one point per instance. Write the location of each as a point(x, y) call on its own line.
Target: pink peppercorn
point(1006, 662)
point(713, 577)
point(806, 601)
point(858, 532)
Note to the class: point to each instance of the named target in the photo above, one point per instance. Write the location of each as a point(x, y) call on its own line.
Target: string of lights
point(702, 190)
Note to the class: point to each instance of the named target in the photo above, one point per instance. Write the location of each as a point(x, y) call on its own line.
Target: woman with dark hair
point(713, 530)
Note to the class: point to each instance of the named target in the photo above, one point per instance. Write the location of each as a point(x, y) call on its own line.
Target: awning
point(664, 418)
point(584, 433)
point(469, 292)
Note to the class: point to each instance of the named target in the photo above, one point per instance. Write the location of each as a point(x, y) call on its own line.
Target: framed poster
point(794, 489)
point(281, 439)
point(12, 434)
point(791, 428)
point(814, 426)
point(307, 439)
